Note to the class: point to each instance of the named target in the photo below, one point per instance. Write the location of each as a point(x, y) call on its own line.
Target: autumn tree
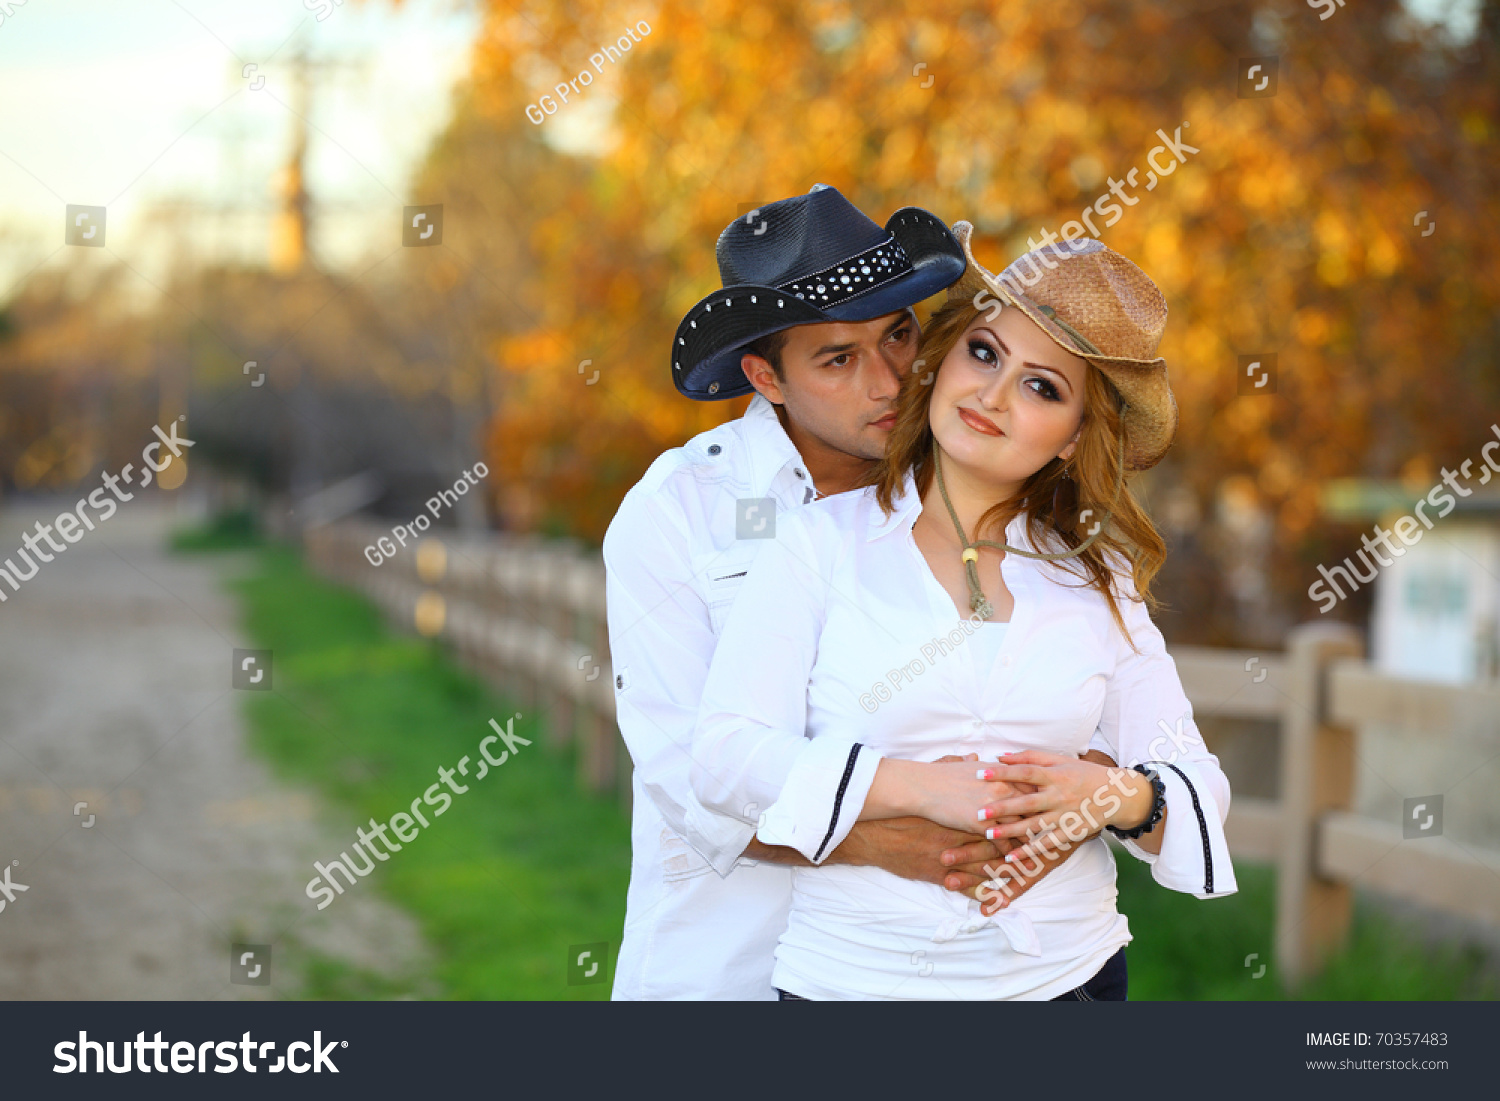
point(1288, 223)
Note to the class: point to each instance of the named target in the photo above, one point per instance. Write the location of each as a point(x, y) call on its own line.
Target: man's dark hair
point(769, 348)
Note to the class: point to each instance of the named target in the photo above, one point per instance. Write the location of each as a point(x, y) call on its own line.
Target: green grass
point(519, 868)
point(525, 865)
point(238, 530)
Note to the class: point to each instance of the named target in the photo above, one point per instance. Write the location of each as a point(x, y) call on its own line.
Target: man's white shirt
point(700, 922)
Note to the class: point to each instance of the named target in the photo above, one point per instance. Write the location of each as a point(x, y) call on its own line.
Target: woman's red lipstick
point(978, 423)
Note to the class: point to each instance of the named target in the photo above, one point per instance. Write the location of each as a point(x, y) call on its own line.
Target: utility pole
point(291, 228)
point(290, 252)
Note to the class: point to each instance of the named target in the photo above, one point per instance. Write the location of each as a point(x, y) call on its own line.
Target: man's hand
point(912, 848)
point(1002, 883)
point(915, 848)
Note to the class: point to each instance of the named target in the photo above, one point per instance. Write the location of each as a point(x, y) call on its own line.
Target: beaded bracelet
point(1158, 806)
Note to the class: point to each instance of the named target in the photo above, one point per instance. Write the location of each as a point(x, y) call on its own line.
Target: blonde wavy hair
point(1049, 501)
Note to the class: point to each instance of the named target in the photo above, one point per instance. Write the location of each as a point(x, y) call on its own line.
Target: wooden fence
point(529, 614)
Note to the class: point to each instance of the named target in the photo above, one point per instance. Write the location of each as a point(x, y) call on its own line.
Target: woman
point(876, 636)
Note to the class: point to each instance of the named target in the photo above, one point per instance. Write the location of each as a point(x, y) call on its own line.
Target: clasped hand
point(1048, 803)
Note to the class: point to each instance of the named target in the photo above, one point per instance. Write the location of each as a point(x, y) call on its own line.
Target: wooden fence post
point(529, 612)
point(562, 622)
point(1317, 775)
point(508, 605)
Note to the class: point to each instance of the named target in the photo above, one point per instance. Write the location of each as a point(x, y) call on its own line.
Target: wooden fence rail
point(529, 614)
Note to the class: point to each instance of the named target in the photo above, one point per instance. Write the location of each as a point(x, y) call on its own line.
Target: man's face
point(840, 379)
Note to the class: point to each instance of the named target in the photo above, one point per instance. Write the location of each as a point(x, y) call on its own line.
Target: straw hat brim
point(1151, 410)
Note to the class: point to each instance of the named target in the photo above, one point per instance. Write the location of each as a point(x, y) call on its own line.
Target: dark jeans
point(1108, 985)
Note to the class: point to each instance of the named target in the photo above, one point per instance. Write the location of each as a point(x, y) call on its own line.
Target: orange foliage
point(1290, 231)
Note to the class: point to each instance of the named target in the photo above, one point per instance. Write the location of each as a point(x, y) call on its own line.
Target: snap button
point(799, 473)
point(714, 449)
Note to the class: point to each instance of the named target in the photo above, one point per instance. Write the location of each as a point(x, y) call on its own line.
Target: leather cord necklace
point(978, 602)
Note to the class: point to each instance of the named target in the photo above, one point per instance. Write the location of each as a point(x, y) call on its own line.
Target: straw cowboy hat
point(806, 260)
point(1096, 304)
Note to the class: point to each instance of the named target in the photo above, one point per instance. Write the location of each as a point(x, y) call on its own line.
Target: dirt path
point(115, 692)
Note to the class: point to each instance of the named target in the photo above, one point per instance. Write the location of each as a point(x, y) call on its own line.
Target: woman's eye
point(1045, 389)
point(982, 352)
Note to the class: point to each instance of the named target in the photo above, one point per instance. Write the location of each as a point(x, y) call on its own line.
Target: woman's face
point(1007, 400)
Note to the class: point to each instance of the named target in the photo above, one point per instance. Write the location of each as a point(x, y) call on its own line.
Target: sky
point(130, 104)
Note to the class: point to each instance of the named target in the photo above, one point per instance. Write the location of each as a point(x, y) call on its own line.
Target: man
point(816, 316)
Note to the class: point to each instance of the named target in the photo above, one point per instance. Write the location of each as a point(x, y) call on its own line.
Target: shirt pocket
point(722, 583)
point(679, 860)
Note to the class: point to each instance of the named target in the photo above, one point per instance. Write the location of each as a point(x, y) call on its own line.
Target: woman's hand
point(1071, 800)
point(947, 792)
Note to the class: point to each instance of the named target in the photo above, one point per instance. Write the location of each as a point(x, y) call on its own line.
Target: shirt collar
point(769, 448)
point(907, 503)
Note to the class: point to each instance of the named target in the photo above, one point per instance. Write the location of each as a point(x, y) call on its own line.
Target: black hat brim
point(711, 340)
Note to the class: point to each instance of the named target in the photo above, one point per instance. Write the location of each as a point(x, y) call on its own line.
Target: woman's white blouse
point(841, 648)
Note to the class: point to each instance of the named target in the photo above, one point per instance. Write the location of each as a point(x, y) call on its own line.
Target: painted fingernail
point(1010, 857)
point(992, 832)
point(983, 814)
point(985, 774)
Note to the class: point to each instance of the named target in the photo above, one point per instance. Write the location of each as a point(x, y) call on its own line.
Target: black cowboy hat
point(806, 260)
